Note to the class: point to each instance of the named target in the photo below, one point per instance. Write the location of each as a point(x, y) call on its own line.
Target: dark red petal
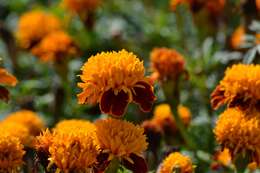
point(143, 96)
point(139, 165)
point(114, 104)
point(4, 94)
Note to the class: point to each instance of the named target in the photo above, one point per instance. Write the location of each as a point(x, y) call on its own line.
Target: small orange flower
point(80, 6)
point(176, 161)
point(17, 130)
point(239, 87)
point(35, 25)
point(239, 132)
point(238, 37)
point(29, 119)
point(175, 3)
point(114, 79)
point(164, 118)
point(167, 63)
point(54, 47)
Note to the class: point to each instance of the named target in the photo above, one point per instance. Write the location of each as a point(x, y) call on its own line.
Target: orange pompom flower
point(238, 37)
point(6, 79)
point(11, 153)
point(35, 25)
point(239, 132)
point(122, 140)
point(166, 63)
point(239, 87)
point(114, 79)
point(17, 130)
point(71, 146)
point(164, 118)
point(176, 162)
point(29, 119)
point(55, 47)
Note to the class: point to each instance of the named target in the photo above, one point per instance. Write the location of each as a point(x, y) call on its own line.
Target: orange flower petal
point(6, 78)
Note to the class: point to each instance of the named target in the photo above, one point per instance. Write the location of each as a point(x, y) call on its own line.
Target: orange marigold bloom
point(239, 87)
point(80, 6)
point(167, 63)
point(71, 146)
point(17, 130)
point(55, 47)
point(120, 138)
point(11, 153)
point(29, 119)
point(163, 116)
point(239, 132)
point(114, 79)
point(35, 25)
point(238, 37)
point(176, 161)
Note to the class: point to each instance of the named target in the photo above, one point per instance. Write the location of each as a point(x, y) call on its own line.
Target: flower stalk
point(171, 92)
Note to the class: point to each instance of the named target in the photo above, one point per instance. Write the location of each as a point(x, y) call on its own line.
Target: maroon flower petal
point(114, 104)
point(139, 165)
point(4, 94)
point(144, 96)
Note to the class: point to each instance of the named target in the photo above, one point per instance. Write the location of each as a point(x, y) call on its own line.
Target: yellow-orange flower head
point(73, 150)
point(55, 47)
point(35, 25)
point(238, 37)
point(167, 63)
point(80, 6)
point(11, 153)
point(120, 138)
point(114, 79)
point(70, 146)
point(239, 132)
point(163, 117)
point(16, 130)
point(176, 161)
point(239, 87)
point(29, 119)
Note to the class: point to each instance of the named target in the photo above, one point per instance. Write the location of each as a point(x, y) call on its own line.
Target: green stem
point(113, 166)
point(171, 92)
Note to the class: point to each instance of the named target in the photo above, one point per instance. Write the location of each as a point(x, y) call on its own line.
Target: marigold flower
point(29, 119)
point(239, 132)
point(17, 130)
point(35, 25)
point(167, 63)
point(11, 153)
point(114, 79)
point(176, 161)
point(238, 37)
point(79, 6)
point(163, 116)
point(55, 47)
point(71, 146)
point(73, 151)
point(120, 138)
point(239, 87)
point(257, 2)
